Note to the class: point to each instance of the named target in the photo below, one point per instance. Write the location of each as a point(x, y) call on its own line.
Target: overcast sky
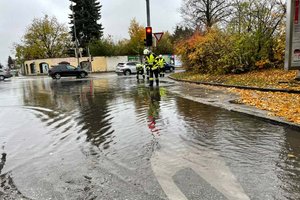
point(16, 15)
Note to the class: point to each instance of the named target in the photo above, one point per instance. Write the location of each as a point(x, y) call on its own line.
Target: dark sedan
point(169, 67)
point(58, 71)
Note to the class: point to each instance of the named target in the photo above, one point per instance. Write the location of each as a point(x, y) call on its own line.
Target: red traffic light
point(148, 36)
point(148, 29)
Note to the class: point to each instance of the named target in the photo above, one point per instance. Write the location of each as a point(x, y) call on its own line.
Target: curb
point(237, 86)
point(257, 114)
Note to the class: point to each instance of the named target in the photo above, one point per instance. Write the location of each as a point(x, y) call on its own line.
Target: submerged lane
point(111, 138)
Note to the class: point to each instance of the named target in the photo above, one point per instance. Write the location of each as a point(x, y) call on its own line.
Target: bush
point(221, 52)
point(212, 52)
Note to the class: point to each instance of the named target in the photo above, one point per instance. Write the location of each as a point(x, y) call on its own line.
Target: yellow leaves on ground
point(278, 104)
point(271, 78)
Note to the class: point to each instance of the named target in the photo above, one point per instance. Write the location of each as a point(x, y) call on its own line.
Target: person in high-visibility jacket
point(161, 64)
point(150, 62)
point(140, 71)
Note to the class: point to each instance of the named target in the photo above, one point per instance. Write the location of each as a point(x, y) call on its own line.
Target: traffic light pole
point(148, 13)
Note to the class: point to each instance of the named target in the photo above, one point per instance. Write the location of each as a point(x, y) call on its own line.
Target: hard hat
point(160, 56)
point(146, 52)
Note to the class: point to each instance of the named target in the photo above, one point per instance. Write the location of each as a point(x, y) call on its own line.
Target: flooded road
point(108, 137)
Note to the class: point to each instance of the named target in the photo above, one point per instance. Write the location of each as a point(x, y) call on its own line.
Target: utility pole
point(75, 36)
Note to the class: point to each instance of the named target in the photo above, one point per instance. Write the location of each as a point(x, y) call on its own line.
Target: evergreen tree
point(10, 62)
point(86, 14)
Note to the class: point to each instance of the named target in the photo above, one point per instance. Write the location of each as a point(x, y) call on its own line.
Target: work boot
point(151, 84)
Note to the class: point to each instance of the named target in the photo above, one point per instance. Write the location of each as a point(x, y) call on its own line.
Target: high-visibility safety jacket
point(160, 62)
point(150, 60)
point(139, 67)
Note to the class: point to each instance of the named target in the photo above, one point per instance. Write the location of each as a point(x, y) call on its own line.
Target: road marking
point(206, 163)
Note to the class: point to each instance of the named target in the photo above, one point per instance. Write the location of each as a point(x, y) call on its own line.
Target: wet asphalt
point(111, 137)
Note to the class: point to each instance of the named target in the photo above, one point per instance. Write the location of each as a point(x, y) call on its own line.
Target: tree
point(181, 33)
point(44, 38)
point(86, 14)
point(165, 45)
point(197, 13)
point(253, 37)
point(137, 35)
point(257, 25)
point(103, 47)
point(10, 62)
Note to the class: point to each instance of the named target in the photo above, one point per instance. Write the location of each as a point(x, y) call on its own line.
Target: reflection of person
point(153, 111)
point(153, 67)
point(2, 162)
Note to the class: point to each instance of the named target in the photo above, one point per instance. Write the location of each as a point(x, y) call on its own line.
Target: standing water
point(111, 138)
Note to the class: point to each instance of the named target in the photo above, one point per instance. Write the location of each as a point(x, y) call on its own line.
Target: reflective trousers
point(162, 72)
point(154, 72)
point(140, 72)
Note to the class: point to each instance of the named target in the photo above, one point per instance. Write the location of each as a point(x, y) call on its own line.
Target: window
point(62, 67)
point(70, 67)
point(131, 63)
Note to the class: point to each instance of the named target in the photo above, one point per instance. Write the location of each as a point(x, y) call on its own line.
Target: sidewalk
point(276, 105)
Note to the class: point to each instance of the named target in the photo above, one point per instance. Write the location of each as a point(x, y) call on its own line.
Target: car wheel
point(2, 78)
point(82, 75)
point(127, 72)
point(57, 76)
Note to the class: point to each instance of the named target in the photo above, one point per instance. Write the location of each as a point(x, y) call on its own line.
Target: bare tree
point(197, 13)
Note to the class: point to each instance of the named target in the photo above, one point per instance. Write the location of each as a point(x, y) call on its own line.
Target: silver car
point(5, 73)
point(127, 68)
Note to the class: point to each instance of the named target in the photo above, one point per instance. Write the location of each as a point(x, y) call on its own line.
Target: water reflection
point(257, 152)
point(2, 162)
point(116, 116)
point(153, 110)
point(73, 107)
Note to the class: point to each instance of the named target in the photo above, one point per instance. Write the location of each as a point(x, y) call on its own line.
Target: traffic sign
point(158, 36)
point(292, 53)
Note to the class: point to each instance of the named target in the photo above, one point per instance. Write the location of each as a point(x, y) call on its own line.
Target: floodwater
point(110, 138)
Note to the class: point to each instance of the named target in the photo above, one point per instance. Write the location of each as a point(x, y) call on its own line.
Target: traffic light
point(148, 36)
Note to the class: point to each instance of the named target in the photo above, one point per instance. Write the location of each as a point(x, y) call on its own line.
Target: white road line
point(208, 164)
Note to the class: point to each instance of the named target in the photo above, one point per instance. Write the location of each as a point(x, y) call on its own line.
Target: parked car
point(126, 68)
point(169, 67)
point(58, 71)
point(5, 73)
